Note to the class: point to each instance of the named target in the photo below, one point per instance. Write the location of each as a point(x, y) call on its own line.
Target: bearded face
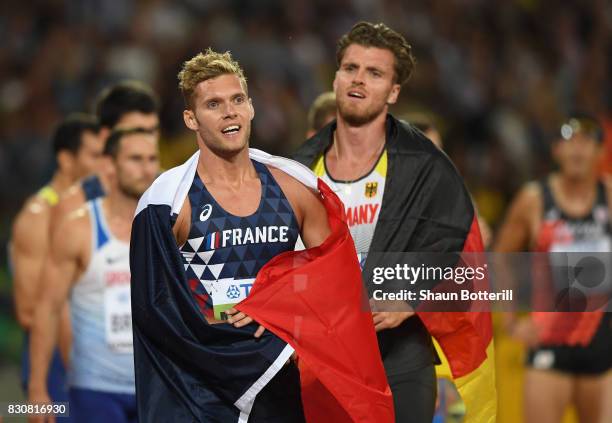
point(364, 84)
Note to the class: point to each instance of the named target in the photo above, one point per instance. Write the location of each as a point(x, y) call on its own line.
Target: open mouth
point(356, 94)
point(231, 130)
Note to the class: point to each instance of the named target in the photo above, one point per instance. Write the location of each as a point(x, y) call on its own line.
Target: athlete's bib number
point(226, 293)
point(118, 318)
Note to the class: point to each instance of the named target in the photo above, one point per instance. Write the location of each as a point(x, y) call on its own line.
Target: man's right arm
point(28, 248)
point(515, 235)
point(66, 250)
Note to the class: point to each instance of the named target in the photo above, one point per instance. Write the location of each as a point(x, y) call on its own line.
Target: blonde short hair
point(204, 66)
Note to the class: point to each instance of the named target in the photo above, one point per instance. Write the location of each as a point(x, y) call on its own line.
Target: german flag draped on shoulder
point(427, 209)
point(310, 301)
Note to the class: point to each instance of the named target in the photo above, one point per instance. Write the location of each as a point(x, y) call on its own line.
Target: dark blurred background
point(496, 76)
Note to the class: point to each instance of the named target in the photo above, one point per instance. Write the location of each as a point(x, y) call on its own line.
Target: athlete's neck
point(356, 143)
point(578, 188)
point(103, 178)
point(232, 171)
point(120, 206)
point(60, 182)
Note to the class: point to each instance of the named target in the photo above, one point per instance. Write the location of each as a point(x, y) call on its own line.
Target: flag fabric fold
point(314, 300)
point(464, 341)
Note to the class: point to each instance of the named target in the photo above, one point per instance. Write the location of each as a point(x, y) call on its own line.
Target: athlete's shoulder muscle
point(71, 237)
point(69, 201)
point(30, 232)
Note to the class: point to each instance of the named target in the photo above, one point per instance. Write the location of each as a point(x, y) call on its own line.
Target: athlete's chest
point(591, 233)
point(362, 199)
point(269, 220)
point(224, 252)
point(237, 201)
point(237, 245)
point(112, 263)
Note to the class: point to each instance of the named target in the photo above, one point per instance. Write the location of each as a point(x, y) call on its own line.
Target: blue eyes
point(215, 104)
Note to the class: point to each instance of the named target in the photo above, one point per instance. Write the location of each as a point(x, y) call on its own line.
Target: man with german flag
point(402, 194)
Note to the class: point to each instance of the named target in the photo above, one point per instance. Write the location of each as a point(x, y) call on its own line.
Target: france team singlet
point(224, 253)
point(102, 357)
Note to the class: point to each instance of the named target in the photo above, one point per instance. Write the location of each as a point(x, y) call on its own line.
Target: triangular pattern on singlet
point(206, 236)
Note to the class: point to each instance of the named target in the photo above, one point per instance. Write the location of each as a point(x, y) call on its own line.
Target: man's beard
point(356, 117)
point(130, 191)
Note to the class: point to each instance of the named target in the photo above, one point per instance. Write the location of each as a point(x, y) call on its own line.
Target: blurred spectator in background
point(322, 112)
point(78, 151)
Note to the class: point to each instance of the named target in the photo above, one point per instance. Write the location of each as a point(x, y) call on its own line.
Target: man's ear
point(108, 165)
point(104, 133)
point(251, 108)
point(395, 90)
point(66, 161)
point(190, 119)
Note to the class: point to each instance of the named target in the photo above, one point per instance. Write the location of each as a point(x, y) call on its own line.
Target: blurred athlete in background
point(126, 105)
point(321, 112)
point(427, 126)
point(88, 263)
point(566, 212)
point(78, 150)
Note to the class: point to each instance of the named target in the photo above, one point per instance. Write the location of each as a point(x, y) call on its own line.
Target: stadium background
point(496, 76)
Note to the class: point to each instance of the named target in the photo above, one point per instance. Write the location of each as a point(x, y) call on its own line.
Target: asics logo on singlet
point(247, 236)
point(206, 211)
